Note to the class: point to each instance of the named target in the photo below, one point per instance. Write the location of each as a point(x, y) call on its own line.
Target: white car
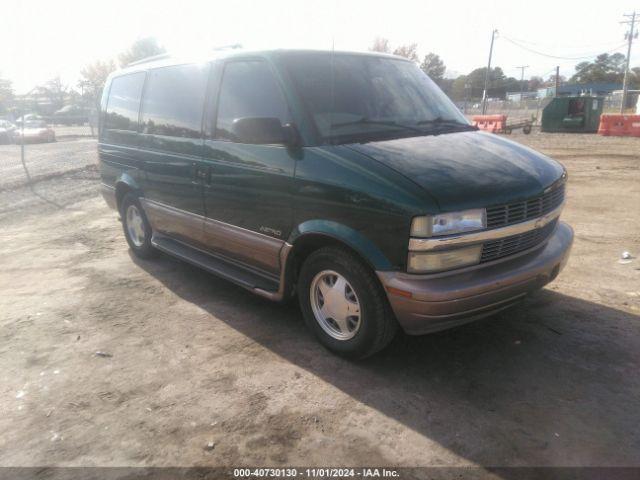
point(7, 132)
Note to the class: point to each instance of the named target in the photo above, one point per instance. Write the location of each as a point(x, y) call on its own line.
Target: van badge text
point(271, 231)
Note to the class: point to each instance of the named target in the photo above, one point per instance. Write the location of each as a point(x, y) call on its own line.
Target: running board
point(233, 272)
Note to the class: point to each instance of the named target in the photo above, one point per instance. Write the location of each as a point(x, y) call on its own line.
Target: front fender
point(127, 181)
point(354, 239)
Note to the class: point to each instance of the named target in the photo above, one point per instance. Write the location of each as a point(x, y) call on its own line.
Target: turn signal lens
point(429, 262)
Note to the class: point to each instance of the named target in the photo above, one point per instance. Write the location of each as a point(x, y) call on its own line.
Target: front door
point(171, 143)
point(248, 191)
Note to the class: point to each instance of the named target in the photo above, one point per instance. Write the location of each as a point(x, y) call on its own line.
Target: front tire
point(137, 229)
point(344, 305)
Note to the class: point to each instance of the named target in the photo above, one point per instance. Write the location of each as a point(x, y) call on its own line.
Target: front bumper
point(437, 302)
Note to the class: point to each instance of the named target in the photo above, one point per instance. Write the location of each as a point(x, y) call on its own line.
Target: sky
point(42, 39)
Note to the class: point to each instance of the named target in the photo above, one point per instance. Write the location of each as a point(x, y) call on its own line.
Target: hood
point(467, 169)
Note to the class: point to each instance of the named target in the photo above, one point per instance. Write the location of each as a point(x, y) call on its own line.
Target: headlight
point(429, 262)
point(449, 223)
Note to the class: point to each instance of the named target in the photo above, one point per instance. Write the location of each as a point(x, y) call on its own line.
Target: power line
point(585, 57)
point(529, 42)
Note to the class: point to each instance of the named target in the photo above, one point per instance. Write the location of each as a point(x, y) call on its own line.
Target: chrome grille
point(503, 215)
point(516, 243)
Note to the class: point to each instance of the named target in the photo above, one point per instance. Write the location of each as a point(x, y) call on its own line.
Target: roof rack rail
point(149, 59)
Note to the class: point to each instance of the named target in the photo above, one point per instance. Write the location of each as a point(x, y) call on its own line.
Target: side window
point(173, 101)
point(124, 102)
point(248, 89)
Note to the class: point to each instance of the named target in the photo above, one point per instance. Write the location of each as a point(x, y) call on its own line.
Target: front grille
point(503, 215)
point(516, 243)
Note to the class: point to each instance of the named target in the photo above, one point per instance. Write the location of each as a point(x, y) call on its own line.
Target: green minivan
point(348, 180)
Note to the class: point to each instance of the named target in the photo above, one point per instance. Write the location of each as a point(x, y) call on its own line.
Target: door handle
point(202, 175)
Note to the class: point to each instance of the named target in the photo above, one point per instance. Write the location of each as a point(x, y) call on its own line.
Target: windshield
point(365, 97)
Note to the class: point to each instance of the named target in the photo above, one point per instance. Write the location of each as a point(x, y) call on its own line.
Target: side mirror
point(293, 138)
point(259, 130)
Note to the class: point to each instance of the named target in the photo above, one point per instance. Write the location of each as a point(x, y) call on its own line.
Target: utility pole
point(486, 75)
point(629, 36)
point(522, 67)
point(555, 94)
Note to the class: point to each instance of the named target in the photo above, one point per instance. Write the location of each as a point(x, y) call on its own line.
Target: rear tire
point(344, 305)
point(137, 229)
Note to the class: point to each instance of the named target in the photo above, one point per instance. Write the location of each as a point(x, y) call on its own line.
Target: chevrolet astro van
point(348, 180)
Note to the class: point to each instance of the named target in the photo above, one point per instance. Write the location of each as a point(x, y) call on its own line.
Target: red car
point(35, 132)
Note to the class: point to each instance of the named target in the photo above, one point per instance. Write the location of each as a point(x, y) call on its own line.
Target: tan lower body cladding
point(255, 249)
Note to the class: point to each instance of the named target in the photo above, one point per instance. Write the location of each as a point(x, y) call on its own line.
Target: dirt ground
point(200, 372)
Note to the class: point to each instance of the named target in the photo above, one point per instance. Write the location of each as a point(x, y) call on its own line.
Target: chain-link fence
point(34, 148)
point(529, 109)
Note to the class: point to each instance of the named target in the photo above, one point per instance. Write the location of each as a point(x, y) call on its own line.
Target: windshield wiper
point(367, 121)
point(445, 122)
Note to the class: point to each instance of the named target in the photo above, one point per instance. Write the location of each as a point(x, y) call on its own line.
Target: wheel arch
point(124, 185)
point(313, 235)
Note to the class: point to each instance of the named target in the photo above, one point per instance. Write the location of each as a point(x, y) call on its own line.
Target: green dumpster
point(572, 114)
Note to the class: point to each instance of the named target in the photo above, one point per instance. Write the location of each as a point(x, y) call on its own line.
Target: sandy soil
point(191, 359)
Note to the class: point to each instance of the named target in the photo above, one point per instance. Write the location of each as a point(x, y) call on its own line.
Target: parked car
point(30, 117)
point(71, 115)
point(7, 130)
point(35, 131)
point(347, 179)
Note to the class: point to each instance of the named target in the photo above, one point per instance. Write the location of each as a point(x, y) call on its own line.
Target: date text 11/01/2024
point(315, 473)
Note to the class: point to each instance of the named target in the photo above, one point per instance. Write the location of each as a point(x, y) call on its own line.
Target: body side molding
point(261, 254)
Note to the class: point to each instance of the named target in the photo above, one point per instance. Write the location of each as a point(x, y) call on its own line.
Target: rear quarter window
point(124, 102)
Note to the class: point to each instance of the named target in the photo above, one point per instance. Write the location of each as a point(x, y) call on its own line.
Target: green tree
point(433, 66)
point(535, 83)
point(472, 85)
point(605, 68)
point(634, 77)
point(408, 51)
point(141, 48)
point(459, 89)
point(495, 87)
point(55, 91)
point(6, 95)
point(92, 78)
point(551, 81)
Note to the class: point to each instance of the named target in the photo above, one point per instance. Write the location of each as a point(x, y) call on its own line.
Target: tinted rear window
point(124, 102)
point(173, 101)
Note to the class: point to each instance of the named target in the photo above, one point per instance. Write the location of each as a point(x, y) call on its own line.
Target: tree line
point(606, 68)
